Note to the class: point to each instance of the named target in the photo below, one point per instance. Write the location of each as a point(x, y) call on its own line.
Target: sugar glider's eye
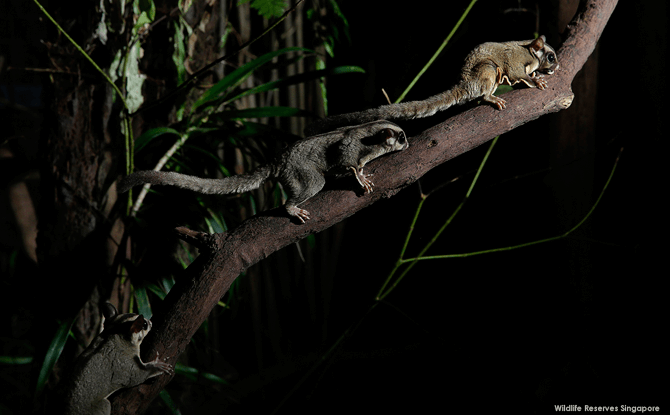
point(378, 138)
point(551, 57)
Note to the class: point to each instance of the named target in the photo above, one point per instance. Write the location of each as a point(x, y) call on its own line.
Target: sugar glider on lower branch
point(111, 362)
point(486, 67)
point(300, 168)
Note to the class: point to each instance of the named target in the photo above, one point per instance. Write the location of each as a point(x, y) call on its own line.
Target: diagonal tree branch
point(226, 255)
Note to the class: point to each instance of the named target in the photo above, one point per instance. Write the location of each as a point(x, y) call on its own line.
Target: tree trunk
point(77, 239)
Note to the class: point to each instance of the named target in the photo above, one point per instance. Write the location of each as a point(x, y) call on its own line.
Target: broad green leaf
point(156, 290)
point(53, 353)
point(189, 256)
point(184, 5)
point(13, 360)
point(345, 69)
point(168, 282)
point(268, 8)
point(143, 305)
point(320, 65)
point(179, 54)
point(253, 204)
point(144, 139)
point(329, 46)
point(226, 33)
point(296, 79)
point(193, 374)
point(143, 19)
point(165, 396)
point(278, 195)
point(209, 154)
point(262, 112)
point(338, 12)
point(210, 228)
point(212, 224)
point(218, 224)
point(286, 62)
point(149, 8)
point(239, 75)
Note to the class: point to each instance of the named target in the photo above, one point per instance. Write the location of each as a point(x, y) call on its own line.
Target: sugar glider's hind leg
point(491, 76)
point(304, 184)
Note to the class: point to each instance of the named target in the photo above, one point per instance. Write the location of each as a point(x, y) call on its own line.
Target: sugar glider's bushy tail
point(233, 184)
point(401, 111)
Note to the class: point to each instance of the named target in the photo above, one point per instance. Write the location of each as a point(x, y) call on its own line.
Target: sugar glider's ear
point(108, 310)
point(139, 324)
point(538, 43)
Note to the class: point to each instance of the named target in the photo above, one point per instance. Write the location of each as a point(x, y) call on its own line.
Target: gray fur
point(301, 168)
point(234, 184)
point(111, 362)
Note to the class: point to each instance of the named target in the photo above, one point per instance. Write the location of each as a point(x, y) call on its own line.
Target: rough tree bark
point(226, 255)
point(76, 236)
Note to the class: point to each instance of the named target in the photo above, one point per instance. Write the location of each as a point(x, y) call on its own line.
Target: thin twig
point(523, 245)
point(145, 189)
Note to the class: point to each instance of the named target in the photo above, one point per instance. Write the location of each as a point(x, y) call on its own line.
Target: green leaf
point(142, 20)
point(320, 64)
point(209, 154)
point(296, 79)
point(149, 8)
point(193, 373)
point(217, 223)
point(165, 396)
point(338, 12)
point(143, 305)
point(345, 69)
point(268, 8)
point(156, 290)
point(144, 139)
point(226, 33)
point(329, 46)
point(262, 112)
point(12, 360)
point(179, 54)
point(167, 282)
point(239, 75)
point(53, 353)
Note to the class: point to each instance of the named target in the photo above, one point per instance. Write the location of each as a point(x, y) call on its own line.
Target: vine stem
point(381, 294)
point(145, 189)
point(437, 52)
point(523, 245)
point(126, 119)
point(83, 53)
point(400, 260)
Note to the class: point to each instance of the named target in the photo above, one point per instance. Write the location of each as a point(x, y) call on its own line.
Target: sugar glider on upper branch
point(486, 67)
point(301, 168)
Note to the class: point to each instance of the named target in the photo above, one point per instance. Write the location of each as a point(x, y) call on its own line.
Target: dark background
point(574, 322)
point(571, 322)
